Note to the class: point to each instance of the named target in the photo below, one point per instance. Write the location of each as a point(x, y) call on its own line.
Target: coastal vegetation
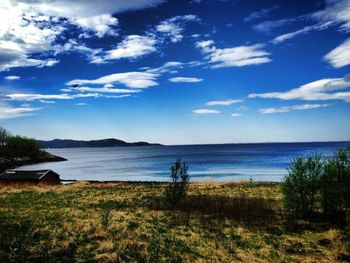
point(176, 192)
point(17, 150)
point(315, 184)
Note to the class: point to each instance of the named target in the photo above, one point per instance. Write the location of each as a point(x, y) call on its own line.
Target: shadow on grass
point(233, 207)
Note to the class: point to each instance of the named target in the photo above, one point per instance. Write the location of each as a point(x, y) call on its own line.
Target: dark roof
point(24, 175)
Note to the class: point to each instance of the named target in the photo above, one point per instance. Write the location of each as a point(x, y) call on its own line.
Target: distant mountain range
point(59, 143)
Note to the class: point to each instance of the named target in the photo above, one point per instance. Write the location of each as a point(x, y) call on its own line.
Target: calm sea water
point(228, 162)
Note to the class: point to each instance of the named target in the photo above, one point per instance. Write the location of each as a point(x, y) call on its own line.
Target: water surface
point(224, 162)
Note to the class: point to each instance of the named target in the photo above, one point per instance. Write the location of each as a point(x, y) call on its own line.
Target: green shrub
point(18, 146)
point(301, 186)
point(177, 189)
point(335, 183)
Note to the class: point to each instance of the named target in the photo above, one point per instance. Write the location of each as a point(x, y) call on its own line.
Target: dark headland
point(111, 142)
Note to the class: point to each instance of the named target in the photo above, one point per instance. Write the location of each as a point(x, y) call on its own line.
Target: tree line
point(12, 146)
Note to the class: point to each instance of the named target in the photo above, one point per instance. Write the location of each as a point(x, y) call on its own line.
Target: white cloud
point(185, 80)
point(103, 90)
point(94, 56)
point(130, 79)
point(167, 67)
point(81, 104)
point(45, 98)
point(233, 57)
point(323, 89)
point(29, 38)
point(88, 8)
point(222, 102)
point(8, 112)
point(340, 56)
point(336, 11)
point(12, 77)
point(47, 101)
point(303, 31)
point(236, 114)
point(172, 67)
point(292, 108)
point(100, 24)
point(268, 26)
point(17, 58)
point(132, 46)
point(24, 33)
point(260, 14)
point(32, 97)
point(206, 111)
point(174, 27)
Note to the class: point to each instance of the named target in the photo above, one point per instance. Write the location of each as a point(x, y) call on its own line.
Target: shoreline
point(13, 163)
point(64, 181)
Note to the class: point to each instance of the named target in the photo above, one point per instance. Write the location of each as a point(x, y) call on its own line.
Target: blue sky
point(176, 72)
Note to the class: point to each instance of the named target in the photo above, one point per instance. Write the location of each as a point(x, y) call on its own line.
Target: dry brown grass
point(226, 223)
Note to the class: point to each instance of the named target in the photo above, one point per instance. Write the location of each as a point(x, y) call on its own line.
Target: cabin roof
point(24, 174)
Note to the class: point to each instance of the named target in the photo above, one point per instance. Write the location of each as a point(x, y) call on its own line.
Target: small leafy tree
point(335, 183)
point(4, 136)
point(177, 190)
point(300, 186)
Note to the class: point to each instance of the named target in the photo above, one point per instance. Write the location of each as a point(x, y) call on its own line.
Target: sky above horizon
point(176, 71)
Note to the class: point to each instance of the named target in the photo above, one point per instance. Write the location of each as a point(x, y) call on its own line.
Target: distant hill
point(59, 143)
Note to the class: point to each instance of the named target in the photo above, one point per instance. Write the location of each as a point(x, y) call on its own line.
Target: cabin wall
point(10, 182)
point(50, 178)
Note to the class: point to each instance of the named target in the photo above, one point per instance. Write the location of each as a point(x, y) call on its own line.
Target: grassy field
point(127, 222)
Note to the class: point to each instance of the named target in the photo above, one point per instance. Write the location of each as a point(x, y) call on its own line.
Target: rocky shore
point(11, 163)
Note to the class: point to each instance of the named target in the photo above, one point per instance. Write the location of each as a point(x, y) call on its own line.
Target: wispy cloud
point(174, 27)
point(340, 56)
point(8, 112)
point(223, 102)
point(268, 26)
point(47, 101)
point(337, 12)
point(101, 90)
point(292, 108)
point(260, 14)
point(303, 31)
point(206, 111)
point(236, 114)
point(32, 97)
point(172, 67)
point(130, 79)
point(169, 66)
point(185, 79)
point(323, 89)
point(12, 77)
point(45, 98)
point(233, 57)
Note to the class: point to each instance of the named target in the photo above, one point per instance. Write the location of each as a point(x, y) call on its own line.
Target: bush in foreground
point(335, 183)
point(315, 184)
point(177, 190)
point(300, 187)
